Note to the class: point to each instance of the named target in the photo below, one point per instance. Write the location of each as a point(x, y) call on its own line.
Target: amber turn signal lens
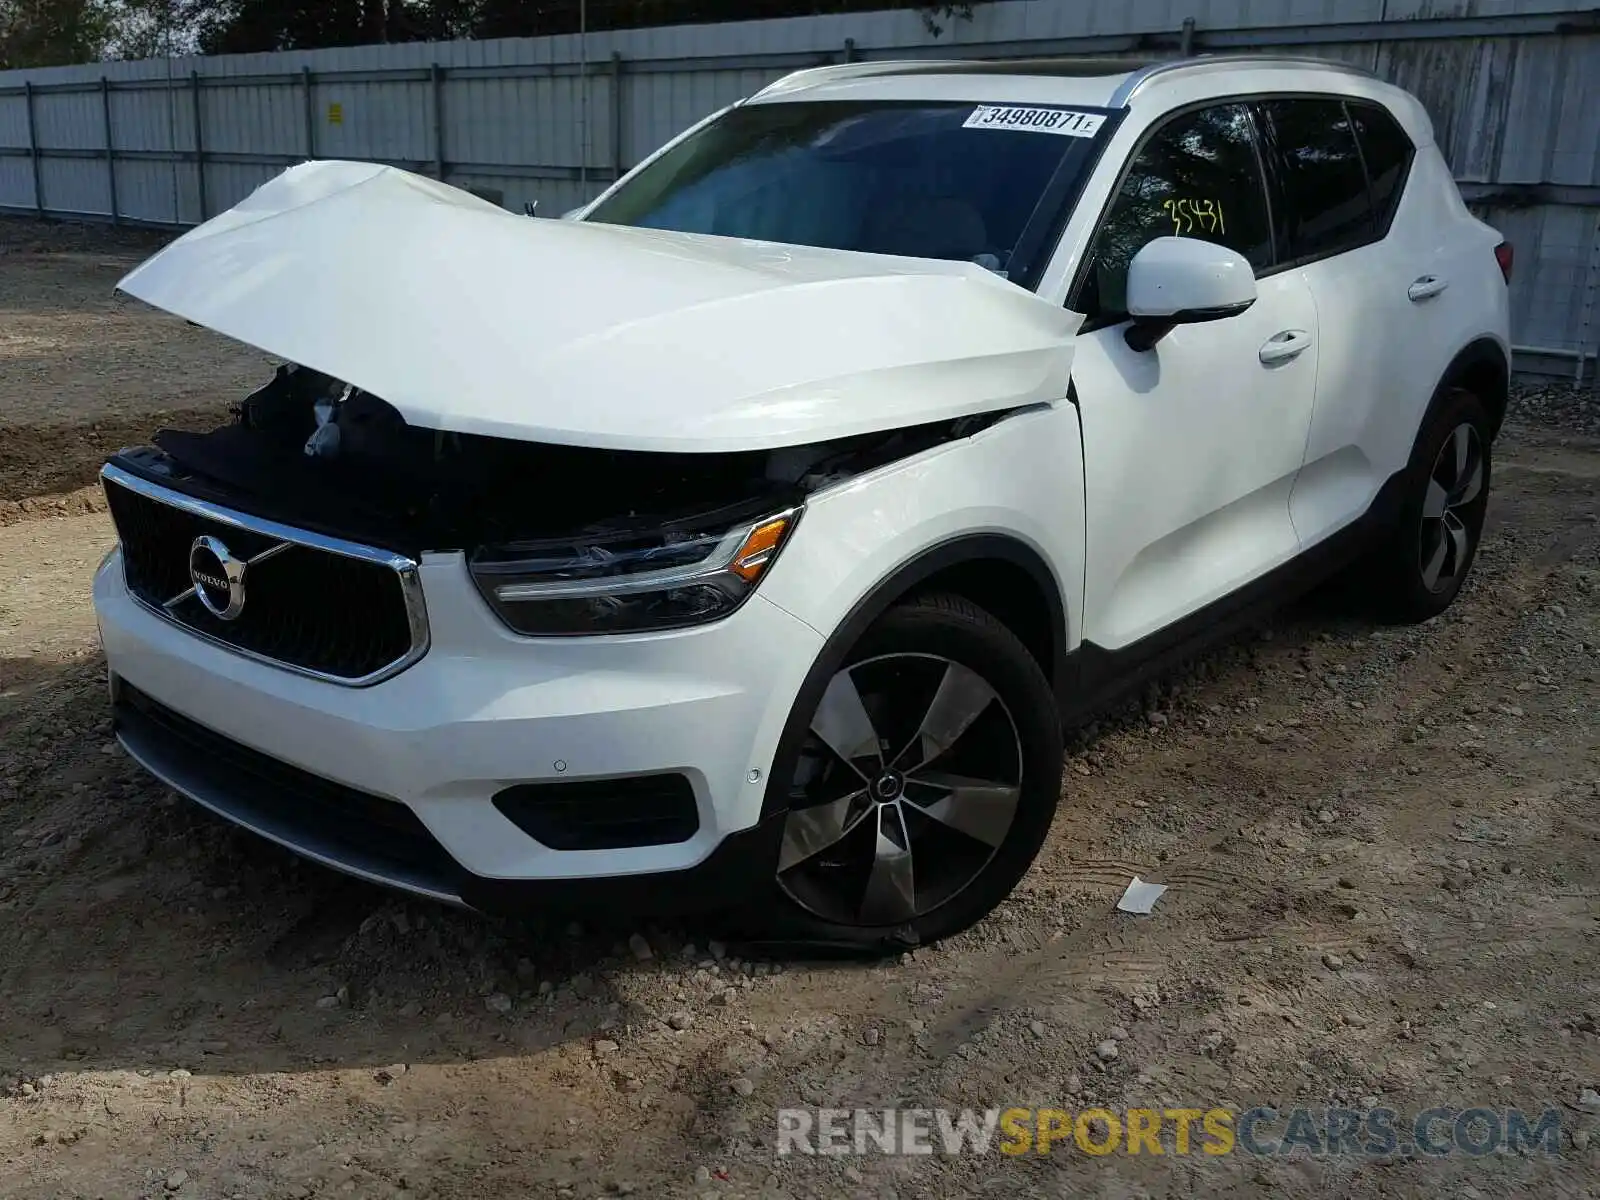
point(758, 549)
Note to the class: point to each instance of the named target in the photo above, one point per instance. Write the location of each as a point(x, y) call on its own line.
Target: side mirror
point(1183, 281)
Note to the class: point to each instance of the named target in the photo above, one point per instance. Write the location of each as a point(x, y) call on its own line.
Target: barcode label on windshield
point(1035, 120)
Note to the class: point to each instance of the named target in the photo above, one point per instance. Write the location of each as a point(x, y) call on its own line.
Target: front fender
point(1020, 479)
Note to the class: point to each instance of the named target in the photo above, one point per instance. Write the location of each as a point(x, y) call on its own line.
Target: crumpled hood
point(472, 319)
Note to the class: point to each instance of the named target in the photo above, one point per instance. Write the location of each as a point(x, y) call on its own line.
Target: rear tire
point(1422, 560)
point(924, 786)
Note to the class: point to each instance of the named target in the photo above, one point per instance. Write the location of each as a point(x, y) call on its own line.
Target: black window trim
point(1379, 229)
point(1361, 157)
point(1271, 185)
point(1043, 230)
point(1081, 275)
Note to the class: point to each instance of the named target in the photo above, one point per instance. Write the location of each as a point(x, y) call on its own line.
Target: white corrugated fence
point(1513, 86)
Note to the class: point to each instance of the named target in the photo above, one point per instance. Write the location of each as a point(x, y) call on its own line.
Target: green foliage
point(49, 33)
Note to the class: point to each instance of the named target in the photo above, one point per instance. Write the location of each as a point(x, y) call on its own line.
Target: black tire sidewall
point(958, 630)
point(1408, 597)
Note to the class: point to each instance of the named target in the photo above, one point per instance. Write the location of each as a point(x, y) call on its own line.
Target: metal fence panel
point(264, 118)
point(148, 190)
point(144, 120)
point(1513, 86)
point(371, 120)
point(13, 124)
point(81, 179)
point(1555, 268)
point(1573, 138)
point(229, 183)
point(68, 120)
point(16, 183)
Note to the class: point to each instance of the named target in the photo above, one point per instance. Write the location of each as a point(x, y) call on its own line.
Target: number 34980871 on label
point(1034, 120)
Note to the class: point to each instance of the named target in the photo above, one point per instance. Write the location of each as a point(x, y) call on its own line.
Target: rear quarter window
point(1387, 152)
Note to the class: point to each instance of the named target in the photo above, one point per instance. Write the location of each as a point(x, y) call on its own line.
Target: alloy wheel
point(1454, 484)
point(907, 786)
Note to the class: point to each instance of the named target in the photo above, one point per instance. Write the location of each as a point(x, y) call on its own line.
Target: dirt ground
point(1382, 847)
point(85, 369)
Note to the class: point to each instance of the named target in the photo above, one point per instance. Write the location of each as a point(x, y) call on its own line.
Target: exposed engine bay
point(310, 451)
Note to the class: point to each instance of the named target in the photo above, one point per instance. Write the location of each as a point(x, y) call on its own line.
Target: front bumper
point(394, 782)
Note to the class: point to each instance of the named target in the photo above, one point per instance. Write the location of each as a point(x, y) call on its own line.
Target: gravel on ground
point(1382, 850)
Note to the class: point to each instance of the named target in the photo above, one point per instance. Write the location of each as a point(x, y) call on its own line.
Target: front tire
point(924, 786)
point(1420, 564)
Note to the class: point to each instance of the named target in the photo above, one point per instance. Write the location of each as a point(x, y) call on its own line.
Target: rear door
point(1338, 169)
point(1190, 448)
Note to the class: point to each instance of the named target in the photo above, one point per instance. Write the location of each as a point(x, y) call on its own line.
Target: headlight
point(628, 583)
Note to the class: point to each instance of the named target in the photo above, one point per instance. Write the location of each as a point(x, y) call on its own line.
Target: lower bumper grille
point(604, 814)
point(354, 831)
point(339, 611)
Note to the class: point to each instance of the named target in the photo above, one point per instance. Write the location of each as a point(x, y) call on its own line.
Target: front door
point(1190, 448)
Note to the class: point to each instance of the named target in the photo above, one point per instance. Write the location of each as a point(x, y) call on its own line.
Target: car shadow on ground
point(140, 932)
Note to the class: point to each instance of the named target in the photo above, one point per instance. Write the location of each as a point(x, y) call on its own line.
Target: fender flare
point(1480, 355)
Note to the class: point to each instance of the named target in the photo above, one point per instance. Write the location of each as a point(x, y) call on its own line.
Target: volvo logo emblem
point(218, 578)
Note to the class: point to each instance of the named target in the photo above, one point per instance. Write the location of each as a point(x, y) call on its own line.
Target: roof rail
point(1139, 71)
point(854, 70)
point(1082, 66)
point(1130, 86)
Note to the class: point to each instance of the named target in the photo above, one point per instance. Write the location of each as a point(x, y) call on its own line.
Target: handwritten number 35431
point(1189, 215)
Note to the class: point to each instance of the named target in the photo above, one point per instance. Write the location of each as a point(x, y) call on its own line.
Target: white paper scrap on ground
point(1140, 897)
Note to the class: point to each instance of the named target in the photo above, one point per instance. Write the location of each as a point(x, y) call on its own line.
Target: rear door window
point(1324, 206)
point(1197, 176)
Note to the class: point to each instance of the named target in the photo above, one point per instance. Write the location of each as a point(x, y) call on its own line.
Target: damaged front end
point(560, 540)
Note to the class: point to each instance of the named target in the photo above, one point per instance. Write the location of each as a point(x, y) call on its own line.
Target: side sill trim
point(1097, 678)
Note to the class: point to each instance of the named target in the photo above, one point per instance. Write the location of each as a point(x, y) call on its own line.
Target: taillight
point(1504, 256)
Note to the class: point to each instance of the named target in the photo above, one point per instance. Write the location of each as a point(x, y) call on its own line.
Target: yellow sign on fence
point(335, 113)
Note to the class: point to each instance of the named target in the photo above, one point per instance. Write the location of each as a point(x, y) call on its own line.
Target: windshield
point(984, 183)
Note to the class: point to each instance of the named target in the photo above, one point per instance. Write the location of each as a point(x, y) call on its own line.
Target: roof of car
point(1094, 82)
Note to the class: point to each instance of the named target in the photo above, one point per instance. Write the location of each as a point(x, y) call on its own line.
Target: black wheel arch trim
point(1480, 352)
point(890, 590)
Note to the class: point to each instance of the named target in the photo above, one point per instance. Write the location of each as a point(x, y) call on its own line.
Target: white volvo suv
point(746, 541)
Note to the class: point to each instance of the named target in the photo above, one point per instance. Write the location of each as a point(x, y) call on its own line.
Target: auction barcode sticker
point(1036, 120)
